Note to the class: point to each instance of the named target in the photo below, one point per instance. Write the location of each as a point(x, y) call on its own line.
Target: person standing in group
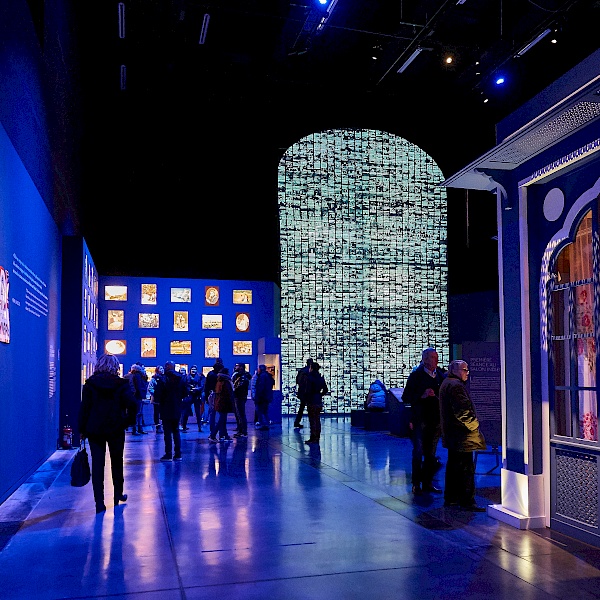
point(421, 392)
point(198, 398)
point(209, 386)
point(224, 400)
point(139, 383)
point(301, 392)
point(169, 392)
point(316, 389)
point(108, 407)
point(195, 387)
point(158, 374)
point(253, 395)
point(263, 396)
point(241, 382)
point(461, 436)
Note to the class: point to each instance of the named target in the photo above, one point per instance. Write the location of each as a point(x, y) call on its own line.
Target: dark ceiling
point(182, 138)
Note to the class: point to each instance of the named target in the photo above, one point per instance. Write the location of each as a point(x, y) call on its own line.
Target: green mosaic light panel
point(363, 229)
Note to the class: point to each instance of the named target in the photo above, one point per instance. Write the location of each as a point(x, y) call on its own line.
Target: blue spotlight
point(499, 80)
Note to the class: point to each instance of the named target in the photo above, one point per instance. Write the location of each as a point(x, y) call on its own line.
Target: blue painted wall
point(263, 312)
point(30, 249)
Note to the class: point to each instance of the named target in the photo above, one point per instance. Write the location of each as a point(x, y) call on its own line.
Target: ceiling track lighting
point(533, 42)
point(205, 22)
point(121, 8)
point(412, 57)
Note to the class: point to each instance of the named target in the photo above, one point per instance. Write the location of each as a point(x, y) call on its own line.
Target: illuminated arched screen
point(363, 229)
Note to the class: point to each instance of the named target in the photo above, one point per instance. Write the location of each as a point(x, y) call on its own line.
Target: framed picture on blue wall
point(148, 293)
point(242, 348)
point(116, 318)
point(181, 294)
point(115, 346)
point(148, 320)
point(116, 292)
point(181, 347)
point(242, 321)
point(212, 321)
point(211, 348)
point(148, 347)
point(242, 296)
point(180, 320)
point(211, 295)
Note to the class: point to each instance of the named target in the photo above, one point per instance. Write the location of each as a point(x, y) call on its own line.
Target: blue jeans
point(220, 425)
point(172, 436)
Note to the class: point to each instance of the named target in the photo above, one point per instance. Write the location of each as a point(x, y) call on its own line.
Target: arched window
point(574, 331)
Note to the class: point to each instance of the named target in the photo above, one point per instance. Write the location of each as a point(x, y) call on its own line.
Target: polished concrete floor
point(272, 518)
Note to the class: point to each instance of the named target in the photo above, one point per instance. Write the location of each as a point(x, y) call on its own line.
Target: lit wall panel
point(363, 229)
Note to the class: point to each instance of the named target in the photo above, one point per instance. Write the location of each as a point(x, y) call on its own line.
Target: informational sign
point(483, 359)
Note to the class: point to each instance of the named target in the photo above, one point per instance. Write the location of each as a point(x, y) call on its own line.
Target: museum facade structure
point(544, 172)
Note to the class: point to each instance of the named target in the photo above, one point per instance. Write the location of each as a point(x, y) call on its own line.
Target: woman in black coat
point(108, 407)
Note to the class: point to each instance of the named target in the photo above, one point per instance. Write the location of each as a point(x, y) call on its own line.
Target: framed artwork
point(206, 370)
point(148, 293)
point(211, 295)
point(148, 320)
point(4, 307)
point(115, 292)
point(148, 345)
point(242, 348)
point(181, 294)
point(211, 348)
point(212, 321)
point(181, 347)
point(116, 319)
point(180, 366)
point(120, 369)
point(242, 296)
point(180, 320)
point(115, 346)
point(242, 321)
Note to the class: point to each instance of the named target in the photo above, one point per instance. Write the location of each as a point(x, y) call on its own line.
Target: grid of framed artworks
point(187, 321)
point(363, 224)
point(89, 344)
point(180, 322)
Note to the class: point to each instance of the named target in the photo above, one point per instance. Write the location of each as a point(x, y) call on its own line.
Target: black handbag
point(80, 467)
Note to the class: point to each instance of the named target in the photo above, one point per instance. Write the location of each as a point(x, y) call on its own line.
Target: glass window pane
point(584, 310)
point(560, 312)
point(561, 362)
point(586, 362)
point(562, 266)
point(588, 415)
point(562, 412)
point(581, 263)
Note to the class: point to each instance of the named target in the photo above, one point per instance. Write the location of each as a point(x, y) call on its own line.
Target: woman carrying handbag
point(108, 407)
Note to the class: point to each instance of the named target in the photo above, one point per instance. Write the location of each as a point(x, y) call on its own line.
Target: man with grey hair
point(421, 392)
point(461, 436)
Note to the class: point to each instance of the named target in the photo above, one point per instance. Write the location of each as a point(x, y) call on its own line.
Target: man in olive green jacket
point(461, 436)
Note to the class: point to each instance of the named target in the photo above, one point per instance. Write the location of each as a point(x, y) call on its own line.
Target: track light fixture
point(533, 42)
point(412, 57)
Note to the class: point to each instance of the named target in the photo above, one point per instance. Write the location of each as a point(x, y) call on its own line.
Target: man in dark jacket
point(241, 382)
point(316, 388)
point(461, 436)
point(139, 383)
point(421, 392)
point(108, 407)
point(169, 393)
point(209, 386)
point(301, 392)
point(263, 395)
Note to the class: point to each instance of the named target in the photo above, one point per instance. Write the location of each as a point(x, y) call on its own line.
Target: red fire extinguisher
point(67, 439)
